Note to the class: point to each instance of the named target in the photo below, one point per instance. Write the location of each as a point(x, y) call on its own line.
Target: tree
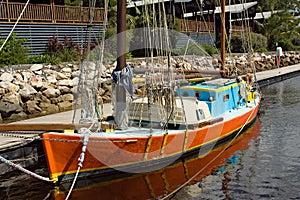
point(282, 29)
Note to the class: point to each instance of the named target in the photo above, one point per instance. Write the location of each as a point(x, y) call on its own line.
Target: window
point(226, 97)
point(197, 95)
point(200, 114)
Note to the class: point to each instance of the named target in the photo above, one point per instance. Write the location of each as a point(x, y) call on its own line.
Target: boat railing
point(46, 13)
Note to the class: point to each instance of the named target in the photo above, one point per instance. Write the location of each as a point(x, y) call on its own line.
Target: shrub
point(239, 44)
point(66, 51)
point(13, 52)
point(209, 49)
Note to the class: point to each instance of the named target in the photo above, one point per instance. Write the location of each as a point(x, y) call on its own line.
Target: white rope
point(14, 26)
point(73, 184)
point(25, 170)
point(86, 134)
point(212, 160)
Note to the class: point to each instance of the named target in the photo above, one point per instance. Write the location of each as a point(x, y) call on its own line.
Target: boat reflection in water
point(161, 182)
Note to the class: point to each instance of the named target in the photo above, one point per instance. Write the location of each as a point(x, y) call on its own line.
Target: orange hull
point(106, 155)
point(156, 184)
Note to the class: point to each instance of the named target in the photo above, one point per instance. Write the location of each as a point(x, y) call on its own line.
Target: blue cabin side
point(220, 96)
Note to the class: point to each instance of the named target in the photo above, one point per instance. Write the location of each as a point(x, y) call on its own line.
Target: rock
point(51, 92)
point(27, 91)
point(9, 86)
point(6, 77)
point(31, 107)
point(68, 83)
point(18, 116)
point(2, 91)
point(66, 70)
point(36, 82)
point(64, 89)
point(61, 76)
point(26, 76)
point(51, 79)
point(14, 98)
point(101, 91)
point(36, 67)
point(48, 107)
point(106, 99)
point(63, 106)
point(6, 108)
point(75, 81)
point(66, 97)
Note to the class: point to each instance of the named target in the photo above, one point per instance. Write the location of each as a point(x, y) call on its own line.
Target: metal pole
point(121, 37)
point(223, 34)
point(121, 116)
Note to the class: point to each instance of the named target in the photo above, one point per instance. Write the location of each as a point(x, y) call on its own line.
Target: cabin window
point(226, 97)
point(200, 114)
point(197, 95)
point(185, 94)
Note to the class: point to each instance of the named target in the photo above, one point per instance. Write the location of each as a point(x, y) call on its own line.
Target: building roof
point(237, 8)
point(131, 4)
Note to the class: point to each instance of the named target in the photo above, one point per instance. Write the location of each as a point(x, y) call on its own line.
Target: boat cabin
point(220, 95)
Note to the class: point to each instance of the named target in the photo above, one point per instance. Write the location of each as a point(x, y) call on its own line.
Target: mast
point(121, 38)
point(121, 117)
point(223, 34)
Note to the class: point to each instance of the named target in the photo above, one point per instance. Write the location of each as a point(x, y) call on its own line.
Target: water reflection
point(160, 183)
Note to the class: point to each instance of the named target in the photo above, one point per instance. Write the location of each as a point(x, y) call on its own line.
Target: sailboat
point(170, 121)
point(153, 185)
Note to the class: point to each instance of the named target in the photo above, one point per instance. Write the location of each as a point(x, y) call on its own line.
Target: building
point(44, 18)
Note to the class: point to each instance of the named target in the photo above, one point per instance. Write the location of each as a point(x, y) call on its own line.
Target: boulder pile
point(41, 89)
point(242, 64)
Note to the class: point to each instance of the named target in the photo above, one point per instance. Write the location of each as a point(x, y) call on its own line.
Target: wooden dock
point(61, 121)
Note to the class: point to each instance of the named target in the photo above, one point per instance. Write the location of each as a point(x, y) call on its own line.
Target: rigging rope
point(14, 26)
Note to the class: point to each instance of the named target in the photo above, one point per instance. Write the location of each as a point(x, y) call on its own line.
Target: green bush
point(13, 52)
point(238, 43)
point(209, 49)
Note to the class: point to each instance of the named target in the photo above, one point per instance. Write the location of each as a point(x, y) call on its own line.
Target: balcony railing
point(197, 26)
point(43, 13)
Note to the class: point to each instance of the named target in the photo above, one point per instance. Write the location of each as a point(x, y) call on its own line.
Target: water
point(264, 163)
point(269, 168)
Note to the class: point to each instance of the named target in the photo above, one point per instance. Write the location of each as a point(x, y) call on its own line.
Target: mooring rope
point(4, 160)
point(212, 160)
point(86, 134)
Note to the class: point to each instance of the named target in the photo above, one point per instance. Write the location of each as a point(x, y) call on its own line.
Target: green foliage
point(33, 59)
point(259, 42)
point(239, 45)
point(209, 49)
point(272, 5)
point(282, 29)
point(67, 51)
point(13, 52)
point(72, 2)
